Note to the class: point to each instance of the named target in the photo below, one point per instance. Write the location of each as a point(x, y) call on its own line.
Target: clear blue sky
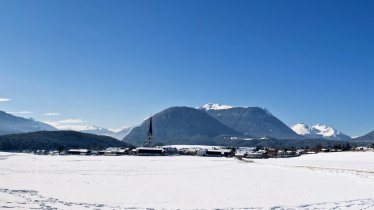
point(113, 63)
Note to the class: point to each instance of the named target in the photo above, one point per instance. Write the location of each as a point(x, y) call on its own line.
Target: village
point(204, 151)
point(257, 152)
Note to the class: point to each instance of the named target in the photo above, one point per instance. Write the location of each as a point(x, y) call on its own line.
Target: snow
point(326, 131)
point(319, 131)
point(241, 138)
point(79, 150)
point(301, 129)
point(192, 146)
point(215, 107)
point(116, 130)
point(211, 106)
point(330, 180)
point(356, 161)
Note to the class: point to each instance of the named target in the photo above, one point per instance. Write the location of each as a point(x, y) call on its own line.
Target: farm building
point(79, 152)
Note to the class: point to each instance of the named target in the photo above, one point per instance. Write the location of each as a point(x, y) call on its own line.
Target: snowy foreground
point(330, 180)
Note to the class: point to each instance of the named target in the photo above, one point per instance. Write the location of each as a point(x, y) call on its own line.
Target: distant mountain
point(181, 125)
point(106, 132)
point(52, 140)
point(122, 133)
point(319, 131)
point(98, 131)
point(253, 121)
point(366, 138)
point(10, 124)
point(297, 143)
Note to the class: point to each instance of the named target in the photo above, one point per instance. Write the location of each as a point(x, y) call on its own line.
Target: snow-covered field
point(330, 180)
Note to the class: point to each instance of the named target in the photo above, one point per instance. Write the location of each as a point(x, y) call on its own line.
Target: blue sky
point(113, 63)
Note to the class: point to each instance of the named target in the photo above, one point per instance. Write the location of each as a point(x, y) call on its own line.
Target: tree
point(347, 147)
point(307, 148)
point(60, 149)
point(318, 148)
point(258, 147)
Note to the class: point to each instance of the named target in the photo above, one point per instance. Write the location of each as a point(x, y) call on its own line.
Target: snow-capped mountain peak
point(93, 127)
point(301, 129)
point(319, 131)
point(215, 107)
point(211, 106)
point(96, 130)
point(115, 133)
point(326, 131)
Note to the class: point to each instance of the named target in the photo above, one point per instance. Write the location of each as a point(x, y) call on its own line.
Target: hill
point(181, 125)
point(122, 133)
point(365, 138)
point(10, 124)
point(251, 121)
point(51, 140)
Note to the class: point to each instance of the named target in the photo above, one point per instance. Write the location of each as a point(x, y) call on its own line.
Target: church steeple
point(150, 133)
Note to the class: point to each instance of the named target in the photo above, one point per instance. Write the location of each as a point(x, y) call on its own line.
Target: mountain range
point(366, 138)
point(319, 131)
point(210, 124)
point(53, 140)
point(250, 121)
point(181, 125)
point(10, 124)
point(106, 132)
point(233, 126)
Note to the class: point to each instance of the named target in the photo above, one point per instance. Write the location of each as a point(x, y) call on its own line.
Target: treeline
point(299, 144)
point(55, 140)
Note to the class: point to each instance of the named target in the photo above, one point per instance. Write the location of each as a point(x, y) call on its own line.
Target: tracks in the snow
point(369, 175)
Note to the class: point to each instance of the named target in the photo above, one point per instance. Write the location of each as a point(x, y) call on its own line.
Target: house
point(270, 153)
point(242, 151)
point(325, 150)
point(41, 152)
point(300, 151)
point(123, 151)
point(286, 154)
point(115, 151)
point(254, 155)
point(149, 151)
point(291, 154)
point(95, 152)
point(188, 151)
point(170, 151)
point(240, 155)
point(53, 153)
point(201, 152)
point(108, 152)
point(219, 152)
point(362, 149)
point(79, 152)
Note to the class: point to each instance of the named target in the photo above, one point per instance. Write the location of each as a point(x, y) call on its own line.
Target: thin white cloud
point(71, 127)
point(51, 114)
point(118, 129)
point(21, 112)
point(5, 99)
point(70, 124)
point(71, 121)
